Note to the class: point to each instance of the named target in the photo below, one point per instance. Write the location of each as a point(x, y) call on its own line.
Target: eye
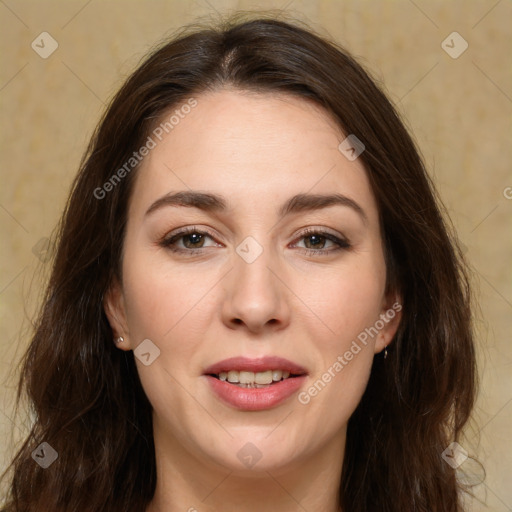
point(188, 240)
point(319, 242)
point(192, 240)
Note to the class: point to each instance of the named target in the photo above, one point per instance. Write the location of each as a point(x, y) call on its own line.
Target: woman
point(255, 302)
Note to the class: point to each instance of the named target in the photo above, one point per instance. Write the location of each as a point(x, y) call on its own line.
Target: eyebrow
point(216, 203)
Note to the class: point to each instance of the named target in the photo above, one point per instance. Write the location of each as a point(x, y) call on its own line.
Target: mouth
point(255, 384)
point(262, 371)
point(245, 379)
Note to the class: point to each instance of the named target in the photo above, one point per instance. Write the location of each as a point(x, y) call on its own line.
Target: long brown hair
point(86, 396)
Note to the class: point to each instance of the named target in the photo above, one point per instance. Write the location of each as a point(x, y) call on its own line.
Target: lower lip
point(256, 399)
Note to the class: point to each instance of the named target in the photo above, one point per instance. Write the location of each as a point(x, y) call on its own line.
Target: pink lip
point(255, 365)
point(255, 399)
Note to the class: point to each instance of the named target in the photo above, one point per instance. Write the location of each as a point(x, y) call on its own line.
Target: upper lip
point(255, 365)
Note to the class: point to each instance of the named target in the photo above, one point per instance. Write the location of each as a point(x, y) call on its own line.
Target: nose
point(255, 296)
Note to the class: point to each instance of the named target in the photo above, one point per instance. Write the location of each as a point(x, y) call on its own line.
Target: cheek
point(348, 304)
point(345, 362)
point(345, 301)
point(174, 310)
point(161, 300)
point(165, 308)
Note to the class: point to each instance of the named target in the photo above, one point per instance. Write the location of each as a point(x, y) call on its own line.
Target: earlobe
point(390, 317)
point(114, 307)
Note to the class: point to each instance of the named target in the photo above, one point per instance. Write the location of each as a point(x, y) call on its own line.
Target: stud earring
point(119, 340)
point(385, 352)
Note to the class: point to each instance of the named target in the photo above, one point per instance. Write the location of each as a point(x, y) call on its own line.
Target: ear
point(389, 320)
point(114, 306)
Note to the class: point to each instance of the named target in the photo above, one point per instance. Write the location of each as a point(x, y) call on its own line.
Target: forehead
point(248, 146)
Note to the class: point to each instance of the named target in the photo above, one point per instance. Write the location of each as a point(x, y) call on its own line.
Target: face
point(271, 254)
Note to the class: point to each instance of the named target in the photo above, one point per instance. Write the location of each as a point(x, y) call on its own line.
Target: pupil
point(194, 239)
point(315, 240)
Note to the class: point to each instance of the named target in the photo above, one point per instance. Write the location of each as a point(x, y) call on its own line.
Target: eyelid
point(340, 241)
point(314, 230)
point(187, 230)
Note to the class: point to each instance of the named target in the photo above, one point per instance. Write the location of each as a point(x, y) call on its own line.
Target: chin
point(254, 455)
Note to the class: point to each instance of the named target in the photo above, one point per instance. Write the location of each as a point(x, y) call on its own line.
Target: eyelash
point(342, 243)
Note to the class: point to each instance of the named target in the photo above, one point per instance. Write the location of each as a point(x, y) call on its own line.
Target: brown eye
point(315, 241)
point(318, 243)
point(193, 240)
point(190, 240)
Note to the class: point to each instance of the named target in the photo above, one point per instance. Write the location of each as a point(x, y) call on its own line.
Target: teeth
point(254, 379)
point(263, 377)
point(277, 375)
point(246, 377)
point(233, 376)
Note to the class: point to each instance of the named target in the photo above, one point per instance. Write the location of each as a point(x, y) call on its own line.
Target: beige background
point(459, 110)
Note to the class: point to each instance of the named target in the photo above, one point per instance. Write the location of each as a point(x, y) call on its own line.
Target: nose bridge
point(255, 298)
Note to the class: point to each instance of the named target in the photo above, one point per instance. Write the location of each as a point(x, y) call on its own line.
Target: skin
point(256, 150)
